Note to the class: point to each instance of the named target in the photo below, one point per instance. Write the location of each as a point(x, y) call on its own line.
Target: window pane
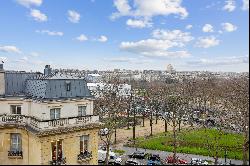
point(53, 149)
point(52, 114)
point(57, 114)
point(13, 109)
point(81, 110)
point(16, 142)
point(18, 110)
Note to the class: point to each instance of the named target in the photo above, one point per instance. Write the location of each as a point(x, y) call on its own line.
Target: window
point(84, 141)
point(57, 151)
point(55, 113)
point(68, 86)
point(15, 142)
point(15, 109)
point(82, 110)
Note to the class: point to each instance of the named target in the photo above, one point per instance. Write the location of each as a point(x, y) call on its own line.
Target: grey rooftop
point(45, 86)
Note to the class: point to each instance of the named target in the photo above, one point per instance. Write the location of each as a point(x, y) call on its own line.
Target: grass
point(120, 152)
point(200, 142)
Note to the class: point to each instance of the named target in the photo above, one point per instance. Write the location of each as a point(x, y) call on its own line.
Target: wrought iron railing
point(84, 156)
point(61, 161)
point(16, 154)
point(34, 123)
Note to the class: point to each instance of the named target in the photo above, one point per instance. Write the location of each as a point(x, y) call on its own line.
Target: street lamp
point(225, 155)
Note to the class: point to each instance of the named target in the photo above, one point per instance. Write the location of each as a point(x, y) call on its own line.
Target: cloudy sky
point(127, 34)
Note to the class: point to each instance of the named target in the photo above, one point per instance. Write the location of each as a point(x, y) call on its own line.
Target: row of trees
point(222, 103)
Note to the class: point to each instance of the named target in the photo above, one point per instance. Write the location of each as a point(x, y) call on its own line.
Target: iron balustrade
point(36, 124)
point(18, 154)
point(61, 161)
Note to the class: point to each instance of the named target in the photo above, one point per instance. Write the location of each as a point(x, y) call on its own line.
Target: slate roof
point(54, 86)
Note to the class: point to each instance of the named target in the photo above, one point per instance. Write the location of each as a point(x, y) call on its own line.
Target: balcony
point(84, 157)
point(61, 161)
point(15, 154)
point(43, 125)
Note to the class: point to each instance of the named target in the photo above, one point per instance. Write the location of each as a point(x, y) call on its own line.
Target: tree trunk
point(156, 118)
point(128, 117)
point(179, 125)
point(107, 155)
point(174, 136)
point(166, 126)
point(143, 120)
point(115, 137)
point(134, 126)
point(245, 148)
point(151, 124)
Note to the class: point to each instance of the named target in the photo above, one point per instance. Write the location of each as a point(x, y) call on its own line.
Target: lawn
point(200, 141)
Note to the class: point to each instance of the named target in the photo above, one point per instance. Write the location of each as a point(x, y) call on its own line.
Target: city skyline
point(125, 34)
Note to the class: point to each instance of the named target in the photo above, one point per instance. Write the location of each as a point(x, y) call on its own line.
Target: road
point(163, 154)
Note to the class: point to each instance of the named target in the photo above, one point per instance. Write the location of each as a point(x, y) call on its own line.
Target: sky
point(205, 35)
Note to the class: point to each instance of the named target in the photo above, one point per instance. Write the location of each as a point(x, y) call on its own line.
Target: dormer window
point(68, 85)
point(16, 109)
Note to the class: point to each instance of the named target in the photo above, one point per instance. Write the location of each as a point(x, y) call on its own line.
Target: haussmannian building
point(46, 119)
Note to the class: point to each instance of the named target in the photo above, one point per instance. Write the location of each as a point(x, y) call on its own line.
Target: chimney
point(2, 80)
point(47, 70)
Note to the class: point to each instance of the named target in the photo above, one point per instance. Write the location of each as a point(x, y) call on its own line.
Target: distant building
point(96, 88)
point(170, 68)
point(46, 119)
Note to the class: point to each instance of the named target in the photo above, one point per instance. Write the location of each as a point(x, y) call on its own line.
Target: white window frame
point(55, 113)
point(15, 109)
point(85, 138)
point(80, 110)
point(15, 142)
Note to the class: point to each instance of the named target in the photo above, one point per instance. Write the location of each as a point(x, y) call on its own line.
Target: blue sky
point(208, 35)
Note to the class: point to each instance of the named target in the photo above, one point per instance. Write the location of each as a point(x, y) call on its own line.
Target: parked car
point(138, 155)
point(132, 162)
point(154, 160)
point(197, 161)
point(171, 160)
point(113, 159)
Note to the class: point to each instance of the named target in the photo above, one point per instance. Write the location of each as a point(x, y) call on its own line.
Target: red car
point(170, 159)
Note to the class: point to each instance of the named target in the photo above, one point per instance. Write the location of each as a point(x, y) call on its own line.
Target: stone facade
point(37, 149)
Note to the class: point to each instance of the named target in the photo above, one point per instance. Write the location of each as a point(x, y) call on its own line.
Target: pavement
point(164, 154)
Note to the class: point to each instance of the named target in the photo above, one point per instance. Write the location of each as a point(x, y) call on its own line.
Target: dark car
point(138, 155)
point(132, 162)
point(154, 160)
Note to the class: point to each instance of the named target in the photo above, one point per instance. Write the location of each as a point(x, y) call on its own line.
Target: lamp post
point(225, 155)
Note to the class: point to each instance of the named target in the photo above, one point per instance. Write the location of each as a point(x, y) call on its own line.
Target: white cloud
point(102, 38)
point(138, 23)
point(245, 5)
point(220, 61)
point(25, 58)
point(206, 42)
point(189, 26)
point(208, 28)
point(38, 16)
point(10, 49)
point(176, 36)
point(29, 3)
point(51, 33)
point(82, 38)
point(229, 6)
point(34, 54)
point(147, 9)
point(73, 16)
point(128, 60)
point(228, 27)
point(160, 44)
